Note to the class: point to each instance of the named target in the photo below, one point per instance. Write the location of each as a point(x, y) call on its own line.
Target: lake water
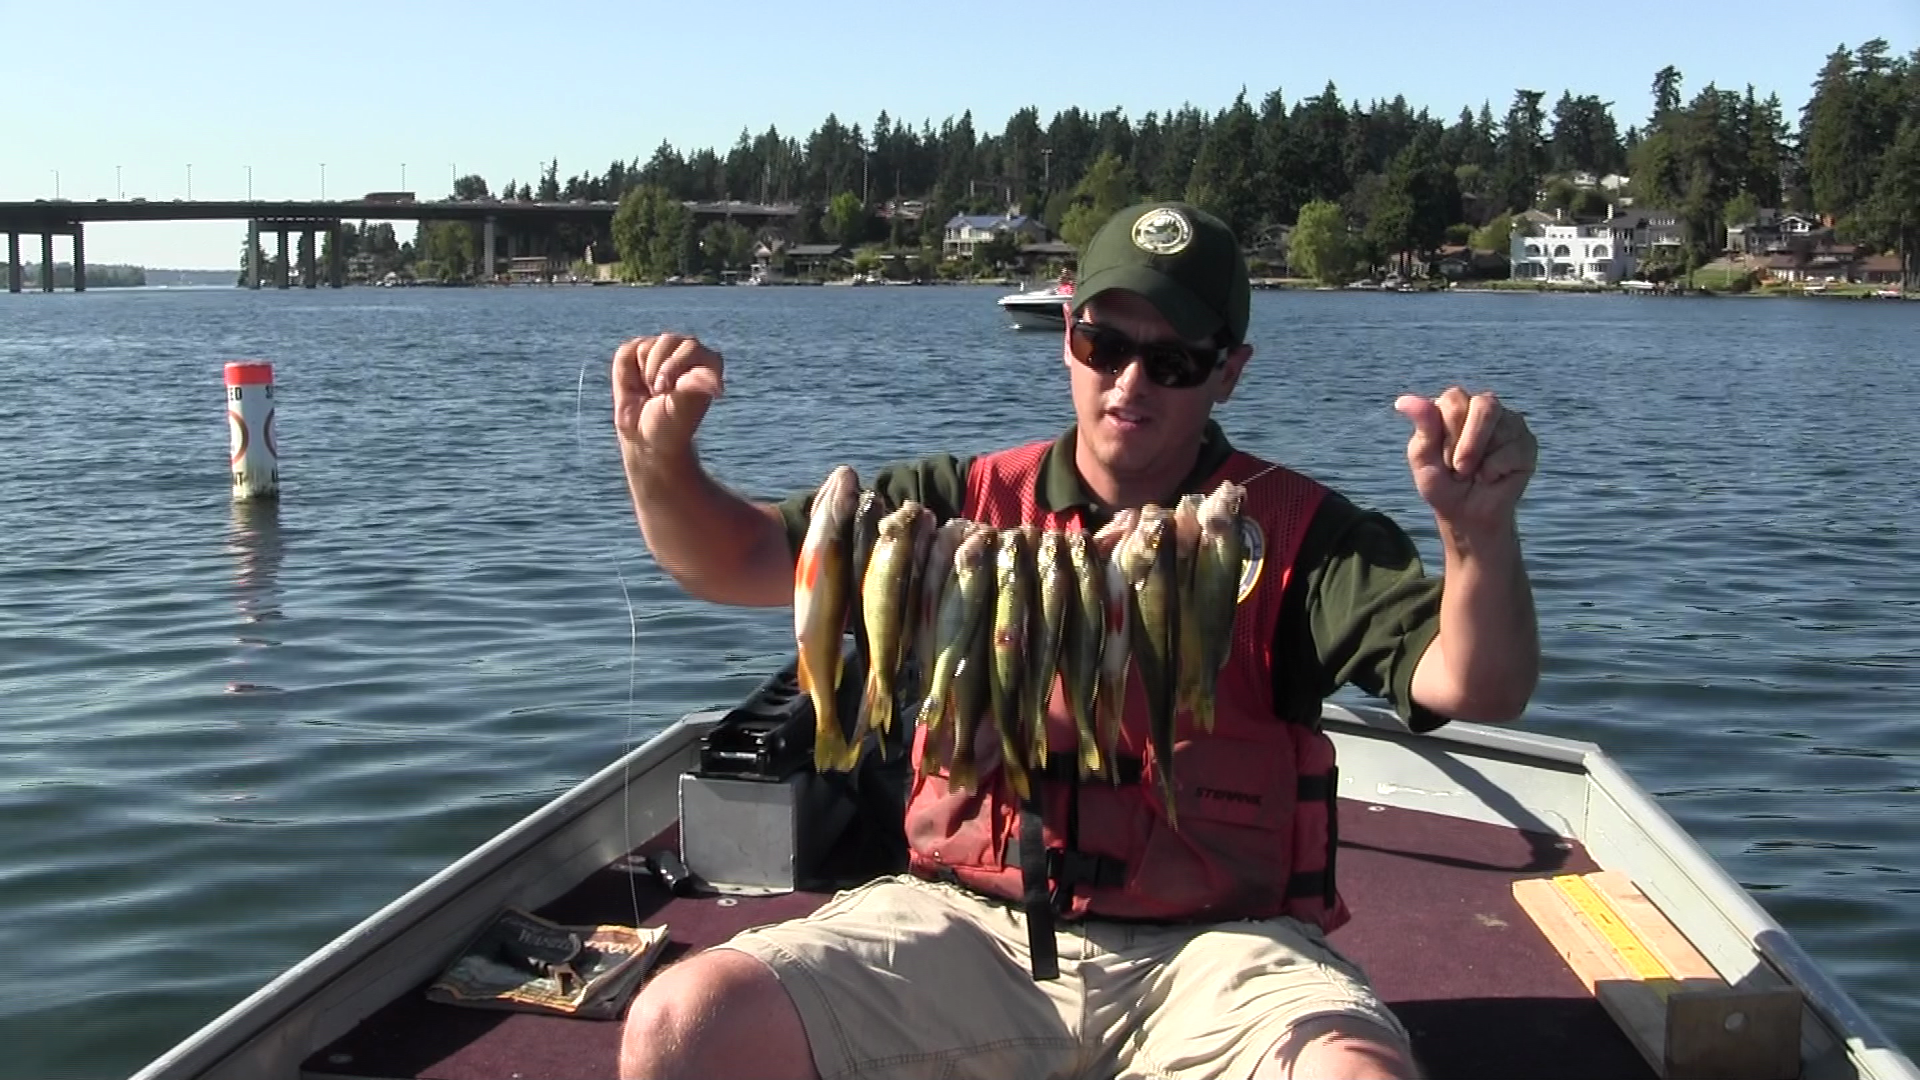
point(229, 733)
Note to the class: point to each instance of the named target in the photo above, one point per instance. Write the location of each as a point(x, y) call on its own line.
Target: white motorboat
point(1038, 309)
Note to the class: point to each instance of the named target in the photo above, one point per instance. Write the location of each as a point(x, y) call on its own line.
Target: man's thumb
point(1428, 444)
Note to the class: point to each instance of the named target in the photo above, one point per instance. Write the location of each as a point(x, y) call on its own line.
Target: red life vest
point(1255, 797)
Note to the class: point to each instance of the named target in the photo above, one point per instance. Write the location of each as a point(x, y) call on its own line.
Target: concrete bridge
point(60, 217)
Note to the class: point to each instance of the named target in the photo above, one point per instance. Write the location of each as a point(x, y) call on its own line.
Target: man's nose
point(1133, 376)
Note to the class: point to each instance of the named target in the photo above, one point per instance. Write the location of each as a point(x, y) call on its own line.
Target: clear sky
point(150, 89)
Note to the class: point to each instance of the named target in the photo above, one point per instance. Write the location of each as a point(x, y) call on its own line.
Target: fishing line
point(633, 660)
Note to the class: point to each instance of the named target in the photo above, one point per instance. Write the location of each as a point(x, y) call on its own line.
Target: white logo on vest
point(1256, 543)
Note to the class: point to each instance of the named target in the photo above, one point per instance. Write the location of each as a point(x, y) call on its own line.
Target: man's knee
point(1339, 1047)
point(710, 1014)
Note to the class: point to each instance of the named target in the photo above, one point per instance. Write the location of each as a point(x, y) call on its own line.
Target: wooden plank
point(1660, 936)
point(1582, 949)
point(1670, 1003)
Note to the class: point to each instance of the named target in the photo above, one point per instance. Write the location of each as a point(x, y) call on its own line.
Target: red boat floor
point(1435, 925)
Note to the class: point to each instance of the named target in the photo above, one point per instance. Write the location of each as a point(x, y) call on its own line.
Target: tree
point(1222, 180)
point(675, 246)
point(1419, 200)
point(1321, 248)
point(633, 231)
point(470, 188)
point(1523, 153)
point(449, 246)
point(1742, 209)
point(1496, 235)
point(1894, 213)
point(1108, 187)
point(847, 219)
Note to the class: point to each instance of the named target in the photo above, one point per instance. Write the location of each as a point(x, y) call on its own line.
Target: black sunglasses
point(1108, 351)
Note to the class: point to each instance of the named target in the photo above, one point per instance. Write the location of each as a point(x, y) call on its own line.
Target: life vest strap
point(1036, 899)
point(1065, 769)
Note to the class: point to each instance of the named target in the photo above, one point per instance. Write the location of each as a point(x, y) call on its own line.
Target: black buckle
point(1085, 868)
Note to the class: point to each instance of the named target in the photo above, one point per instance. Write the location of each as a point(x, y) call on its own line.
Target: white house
point(964, 231)
point(1567, 252)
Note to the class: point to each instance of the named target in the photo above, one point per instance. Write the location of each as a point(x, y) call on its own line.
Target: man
point(1078, 933)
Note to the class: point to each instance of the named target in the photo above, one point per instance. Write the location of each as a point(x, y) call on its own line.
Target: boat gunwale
point(1661, 856)
point(217, 1042)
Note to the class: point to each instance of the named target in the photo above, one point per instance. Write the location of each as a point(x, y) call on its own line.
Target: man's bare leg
point(1337, 1048)
point(716, 1013)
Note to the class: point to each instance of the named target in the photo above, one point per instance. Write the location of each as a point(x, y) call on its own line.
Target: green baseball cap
point(1185, 261)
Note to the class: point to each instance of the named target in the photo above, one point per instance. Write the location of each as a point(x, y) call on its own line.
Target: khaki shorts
point(912, 978)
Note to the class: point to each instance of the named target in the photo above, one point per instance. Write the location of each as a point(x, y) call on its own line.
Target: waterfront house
point(967, 231)
point(1774, 231)
point(1647, 236)
point(1568, 251)
point(817, 258)
point(1879, 270)
point(1458, 262)
point(1047, 251)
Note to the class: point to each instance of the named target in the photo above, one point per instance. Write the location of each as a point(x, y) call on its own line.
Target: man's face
point(1129, 424)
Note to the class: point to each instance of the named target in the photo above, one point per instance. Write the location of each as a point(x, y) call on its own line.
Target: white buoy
point(256, 458)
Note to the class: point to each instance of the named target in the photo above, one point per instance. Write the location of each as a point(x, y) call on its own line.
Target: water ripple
point(257, 724)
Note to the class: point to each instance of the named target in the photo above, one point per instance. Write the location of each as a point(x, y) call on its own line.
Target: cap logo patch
point(1162, 231)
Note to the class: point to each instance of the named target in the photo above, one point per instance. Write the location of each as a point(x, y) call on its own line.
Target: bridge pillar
point(281, 277)
point(46, 262)
point(336, 262)
point(309, 274)
point(13, 262)
point(79, 258)
point(253, 253)
point(486, 251)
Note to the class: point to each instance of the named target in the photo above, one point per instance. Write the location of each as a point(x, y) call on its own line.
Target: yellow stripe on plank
point(1601, 916)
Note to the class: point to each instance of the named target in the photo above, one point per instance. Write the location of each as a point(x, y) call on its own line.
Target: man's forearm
point(1485, 662)
point(717, 545)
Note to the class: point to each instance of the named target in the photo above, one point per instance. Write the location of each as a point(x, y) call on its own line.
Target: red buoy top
point(250, 373)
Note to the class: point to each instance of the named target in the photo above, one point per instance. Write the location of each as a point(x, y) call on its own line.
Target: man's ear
point(1236, 361)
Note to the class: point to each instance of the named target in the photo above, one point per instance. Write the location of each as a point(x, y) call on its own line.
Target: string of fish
point(976, 624)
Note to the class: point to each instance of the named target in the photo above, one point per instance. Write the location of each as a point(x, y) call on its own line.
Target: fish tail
point(877, 705)
point(961, 777)
point(1017, 776)
point(827, 739)
point(850, 754)
point(1089, 754)
point(827, 749)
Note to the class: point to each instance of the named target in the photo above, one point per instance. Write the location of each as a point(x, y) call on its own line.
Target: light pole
point(189, 181)
point(323, 181)
point(249, 169)
point(453, 180)
point(403, 176)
